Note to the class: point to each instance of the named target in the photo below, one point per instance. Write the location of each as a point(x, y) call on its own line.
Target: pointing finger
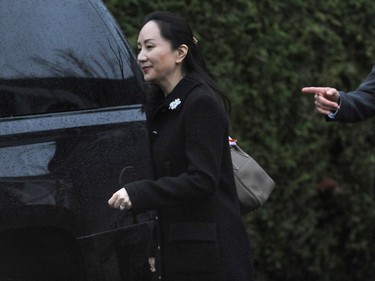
point(315, 90)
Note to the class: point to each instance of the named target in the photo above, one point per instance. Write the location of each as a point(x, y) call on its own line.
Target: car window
point(63, 55)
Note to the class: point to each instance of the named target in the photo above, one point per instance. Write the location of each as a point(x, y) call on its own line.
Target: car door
point(72, 132)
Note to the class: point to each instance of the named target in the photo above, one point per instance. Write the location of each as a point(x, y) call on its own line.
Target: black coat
point(201, 235)
point(358, 105)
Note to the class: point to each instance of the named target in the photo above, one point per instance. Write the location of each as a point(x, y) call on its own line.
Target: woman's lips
point(146, 68)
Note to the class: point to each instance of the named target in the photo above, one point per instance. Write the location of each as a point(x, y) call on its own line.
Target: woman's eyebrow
point(148, 40)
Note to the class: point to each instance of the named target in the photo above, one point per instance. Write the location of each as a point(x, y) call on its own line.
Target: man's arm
point(346, 107)
point(358, 105)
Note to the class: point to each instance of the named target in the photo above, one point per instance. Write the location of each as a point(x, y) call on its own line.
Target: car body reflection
point(71, 133)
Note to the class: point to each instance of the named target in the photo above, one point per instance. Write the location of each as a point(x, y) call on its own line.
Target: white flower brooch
point(173, 105)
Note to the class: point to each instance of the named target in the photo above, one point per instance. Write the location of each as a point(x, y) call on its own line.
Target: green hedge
point(319, 223)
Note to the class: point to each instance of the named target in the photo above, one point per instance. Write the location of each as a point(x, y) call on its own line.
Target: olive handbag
point(254, 186)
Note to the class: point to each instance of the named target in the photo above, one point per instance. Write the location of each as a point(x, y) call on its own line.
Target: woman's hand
point(120, 199)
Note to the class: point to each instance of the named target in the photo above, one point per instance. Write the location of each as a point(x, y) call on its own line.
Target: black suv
point(71, 133)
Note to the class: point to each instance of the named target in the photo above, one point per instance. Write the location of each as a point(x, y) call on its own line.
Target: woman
point(200, 232)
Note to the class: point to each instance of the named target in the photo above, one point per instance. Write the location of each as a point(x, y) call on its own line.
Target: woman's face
point(160, 64)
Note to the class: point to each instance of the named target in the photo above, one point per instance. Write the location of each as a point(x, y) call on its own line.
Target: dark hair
point(177, 31)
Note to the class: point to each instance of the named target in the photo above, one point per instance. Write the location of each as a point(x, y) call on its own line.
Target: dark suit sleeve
point(358, 105)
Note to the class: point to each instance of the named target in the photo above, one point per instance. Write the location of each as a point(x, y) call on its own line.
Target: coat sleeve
point(205, 129)
point(358, 105)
